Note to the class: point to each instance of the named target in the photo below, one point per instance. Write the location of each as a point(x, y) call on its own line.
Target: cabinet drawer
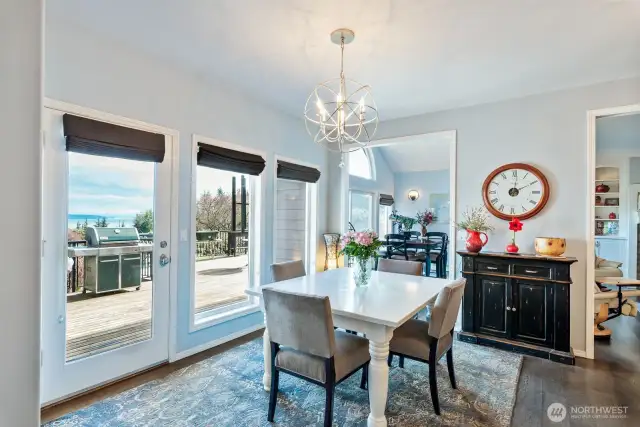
point(527, 270)
point(487, 267)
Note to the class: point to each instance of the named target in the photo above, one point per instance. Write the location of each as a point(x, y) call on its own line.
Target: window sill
point(214, 317)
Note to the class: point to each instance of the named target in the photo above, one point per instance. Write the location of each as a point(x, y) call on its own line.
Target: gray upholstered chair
point(401, 267)
point(305, 345)
point(287, 270)
point(429, 341)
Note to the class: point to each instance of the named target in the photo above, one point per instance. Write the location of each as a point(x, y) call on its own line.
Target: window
point(384, 223)
point(360, 164)
point(361, 210)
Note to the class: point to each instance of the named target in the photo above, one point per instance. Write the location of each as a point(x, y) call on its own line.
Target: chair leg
point(273, 394)
point(401, 364)
point(390, 359)
point(452, 375)
point(433, 385)
point(365, 377)
point(328, 406)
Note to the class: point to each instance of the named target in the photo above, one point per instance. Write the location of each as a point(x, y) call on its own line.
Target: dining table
point(375, 311)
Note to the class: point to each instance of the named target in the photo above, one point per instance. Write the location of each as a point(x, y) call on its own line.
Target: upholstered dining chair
point(305, 345)
point(401, 267)
point(428, 341)
point(287, 270)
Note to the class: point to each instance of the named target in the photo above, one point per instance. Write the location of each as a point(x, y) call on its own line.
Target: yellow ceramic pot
point(550, 246)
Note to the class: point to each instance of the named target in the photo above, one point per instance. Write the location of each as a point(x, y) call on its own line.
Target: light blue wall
point(85, 69)
point(383, 182)
point(427, 183)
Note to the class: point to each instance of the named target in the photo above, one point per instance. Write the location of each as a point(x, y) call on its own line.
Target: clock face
point(515, 190)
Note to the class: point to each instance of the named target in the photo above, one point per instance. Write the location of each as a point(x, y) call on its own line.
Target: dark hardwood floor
point(613, 378)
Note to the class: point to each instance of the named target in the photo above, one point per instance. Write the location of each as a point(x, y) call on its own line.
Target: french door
point(105, 312)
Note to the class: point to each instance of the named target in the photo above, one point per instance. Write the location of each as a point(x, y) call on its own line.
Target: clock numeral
point(525, 175)
point(501, 208)
point(524, 209)
point(503, 175)
point(535, 192)
point(533, 182)
point(495, 183)
point(533, 202)
point(492, 192)
point(513, 211)
point(494, 201)
point(514, 173)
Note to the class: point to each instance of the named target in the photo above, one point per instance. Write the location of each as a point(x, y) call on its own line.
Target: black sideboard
point(518, 303)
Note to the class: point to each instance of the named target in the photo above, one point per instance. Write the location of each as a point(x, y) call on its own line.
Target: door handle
point(164, 260)
point(508, 308)
point(513, 309)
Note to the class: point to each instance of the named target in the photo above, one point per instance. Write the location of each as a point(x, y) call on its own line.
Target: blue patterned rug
point(226, 390)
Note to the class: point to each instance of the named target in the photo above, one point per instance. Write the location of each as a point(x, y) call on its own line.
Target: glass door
point(106, 264)
point(361, 210)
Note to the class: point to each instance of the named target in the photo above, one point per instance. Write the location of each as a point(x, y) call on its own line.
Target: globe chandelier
point(341, 114)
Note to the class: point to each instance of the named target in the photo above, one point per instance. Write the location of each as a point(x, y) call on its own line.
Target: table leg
point(378, 382)
point(266, 348)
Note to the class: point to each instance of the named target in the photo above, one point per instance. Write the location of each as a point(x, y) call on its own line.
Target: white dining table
point(375, 310)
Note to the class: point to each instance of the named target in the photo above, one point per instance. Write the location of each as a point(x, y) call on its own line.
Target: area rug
point(226, 390)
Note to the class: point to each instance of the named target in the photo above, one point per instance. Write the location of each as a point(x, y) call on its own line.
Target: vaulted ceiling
point(418, 55)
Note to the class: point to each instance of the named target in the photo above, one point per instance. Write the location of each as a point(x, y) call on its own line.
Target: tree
point(144, 221)
point(214, 212)
point(101, 222)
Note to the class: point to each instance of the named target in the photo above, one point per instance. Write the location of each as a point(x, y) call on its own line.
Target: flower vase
point(512, 248)
point(362, 268)
point(424, 231)
point(474, 242)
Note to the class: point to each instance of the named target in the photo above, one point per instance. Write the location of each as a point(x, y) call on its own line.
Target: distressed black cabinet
point(518, 303)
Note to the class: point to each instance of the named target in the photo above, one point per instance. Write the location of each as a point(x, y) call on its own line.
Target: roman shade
point(386, 199)
point(296, 172)
point(226, 159)
point(97, 138)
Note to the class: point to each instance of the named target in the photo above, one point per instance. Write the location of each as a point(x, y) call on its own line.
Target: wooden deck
point(98, 323)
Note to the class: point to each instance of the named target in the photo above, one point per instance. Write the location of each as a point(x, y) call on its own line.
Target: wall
point(290, 235)
point(634, 170)
point(548, 131)
point(20, 105)
point(88, 70)
point(426, 183)
point(383, 182)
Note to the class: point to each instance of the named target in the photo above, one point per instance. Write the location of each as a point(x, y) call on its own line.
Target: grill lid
point(105, 236)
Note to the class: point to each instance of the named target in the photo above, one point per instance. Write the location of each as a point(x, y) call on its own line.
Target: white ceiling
point(418, 55)
point(416, 153)
point(618, 132)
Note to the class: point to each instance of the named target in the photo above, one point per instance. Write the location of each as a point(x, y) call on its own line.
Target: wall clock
point(515, 190)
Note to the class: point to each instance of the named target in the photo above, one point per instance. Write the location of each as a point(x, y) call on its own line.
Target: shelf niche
point(609, 176)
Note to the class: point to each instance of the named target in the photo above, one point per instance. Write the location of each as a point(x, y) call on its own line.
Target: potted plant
point(406, 222)
point(515, 225)
point(475, 222)
point(362, 246)
point(424, 219)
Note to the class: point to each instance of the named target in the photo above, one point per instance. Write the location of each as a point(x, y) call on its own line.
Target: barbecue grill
point(112, 258)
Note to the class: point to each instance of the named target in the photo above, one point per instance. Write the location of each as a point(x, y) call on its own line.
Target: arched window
point(360, 164)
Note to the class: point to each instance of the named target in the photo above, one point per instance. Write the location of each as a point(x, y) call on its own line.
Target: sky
point(121, 188)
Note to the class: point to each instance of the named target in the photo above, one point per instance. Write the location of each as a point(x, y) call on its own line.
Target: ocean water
point(112, 221)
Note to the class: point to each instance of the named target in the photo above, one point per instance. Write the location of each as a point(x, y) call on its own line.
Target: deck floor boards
point(99, 323)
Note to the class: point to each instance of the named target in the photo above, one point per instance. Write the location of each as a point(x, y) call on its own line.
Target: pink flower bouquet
point(360, 244)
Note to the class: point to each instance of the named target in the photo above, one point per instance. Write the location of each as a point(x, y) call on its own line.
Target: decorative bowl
point(602, 188)
point(550, 246)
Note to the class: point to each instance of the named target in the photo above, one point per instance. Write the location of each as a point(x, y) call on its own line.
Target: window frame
point(209, 318)
point(311, 214)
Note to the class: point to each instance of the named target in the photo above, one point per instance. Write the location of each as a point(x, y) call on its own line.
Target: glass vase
point(362, 268)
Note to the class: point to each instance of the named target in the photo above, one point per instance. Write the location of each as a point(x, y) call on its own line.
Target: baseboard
point(215, 343)
point(580, 353)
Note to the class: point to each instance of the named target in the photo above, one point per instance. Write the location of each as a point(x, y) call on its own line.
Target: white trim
point(580, 353)
point(224, 313)
point(592, 115)
point(452, 137)
point(311, 214)
point(215, 343)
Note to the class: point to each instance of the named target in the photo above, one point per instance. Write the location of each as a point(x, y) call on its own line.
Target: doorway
point(612, 230)
point(107, 234)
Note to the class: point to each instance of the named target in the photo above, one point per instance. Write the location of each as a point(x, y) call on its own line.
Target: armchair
point(606, 268)
point(609, 304)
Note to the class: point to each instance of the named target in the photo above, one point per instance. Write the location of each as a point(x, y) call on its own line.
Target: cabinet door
point(492, 300)
point(532, 312)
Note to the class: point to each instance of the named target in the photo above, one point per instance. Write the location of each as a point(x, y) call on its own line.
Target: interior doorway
point(107, 248)
point(613, 285)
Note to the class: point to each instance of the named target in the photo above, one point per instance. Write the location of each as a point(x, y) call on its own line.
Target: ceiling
point(618, 132)
point(418, 153)
point(418, 55)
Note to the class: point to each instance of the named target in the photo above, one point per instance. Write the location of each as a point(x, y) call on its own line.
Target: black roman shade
point(386, 199)
point(89, 136)
point(296, 172)
point(216, 157)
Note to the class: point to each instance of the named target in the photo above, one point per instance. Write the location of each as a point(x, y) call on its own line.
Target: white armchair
point(609, 305)
point(606, 268)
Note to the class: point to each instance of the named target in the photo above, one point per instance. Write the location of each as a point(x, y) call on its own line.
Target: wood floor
point(98, 323)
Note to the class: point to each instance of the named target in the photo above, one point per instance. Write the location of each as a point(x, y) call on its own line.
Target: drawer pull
point(531, 271)
point(491, 268)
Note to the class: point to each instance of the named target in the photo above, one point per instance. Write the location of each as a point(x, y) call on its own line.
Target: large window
point(384, 223)
point(361, 210)
point(360, 164)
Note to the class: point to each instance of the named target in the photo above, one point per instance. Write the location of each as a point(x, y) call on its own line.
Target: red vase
point(474, 241)
point(512, 248)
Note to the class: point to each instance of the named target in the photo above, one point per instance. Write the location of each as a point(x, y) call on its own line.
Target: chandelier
point(340, 113)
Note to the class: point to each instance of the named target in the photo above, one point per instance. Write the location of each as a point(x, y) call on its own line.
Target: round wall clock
point(515, 190)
